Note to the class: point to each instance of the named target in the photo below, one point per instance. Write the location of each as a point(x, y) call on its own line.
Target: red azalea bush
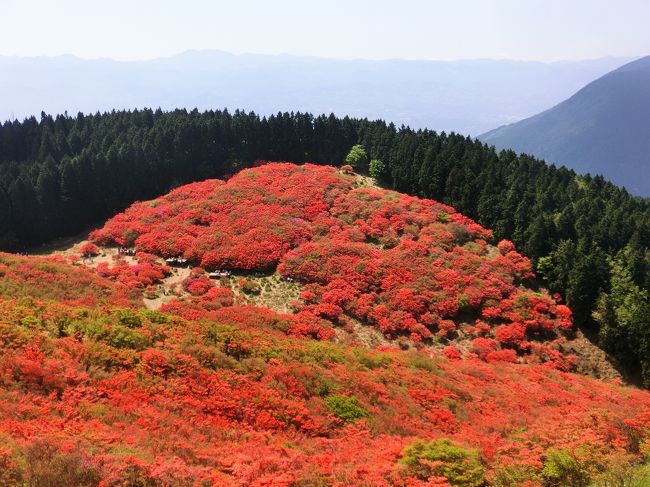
point(89, 250)
point(144, 273)
point(248, 223)
point(219, 296)
point(405, 265)
point(197, 285)
point(52, 278)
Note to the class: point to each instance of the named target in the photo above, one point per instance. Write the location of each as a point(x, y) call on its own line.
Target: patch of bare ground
point(592, 361)
point(365, 181)
point(359, 334)
point(169, 288)
point(270, 291)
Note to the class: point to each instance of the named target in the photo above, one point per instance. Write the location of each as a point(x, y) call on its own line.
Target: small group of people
point(180, 260)
point(219, 273)
point(126, 251)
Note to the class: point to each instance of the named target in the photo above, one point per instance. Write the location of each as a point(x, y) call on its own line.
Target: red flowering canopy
point(405, 265)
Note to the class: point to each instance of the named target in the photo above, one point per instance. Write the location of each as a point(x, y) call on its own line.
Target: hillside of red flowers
point(97, 390)
point(407, 266)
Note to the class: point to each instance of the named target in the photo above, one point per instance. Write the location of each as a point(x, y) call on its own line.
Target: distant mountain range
point(468, 97)
point(603, 129)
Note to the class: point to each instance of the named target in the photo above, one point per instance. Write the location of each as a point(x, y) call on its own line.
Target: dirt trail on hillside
point(70, 247)
point(169, 289)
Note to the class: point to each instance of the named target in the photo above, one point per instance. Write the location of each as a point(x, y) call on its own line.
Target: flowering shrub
point(96, 392)
point(146, 272)
point(52, 278)
point(197, 285)
point(239, 225)
point(89, 250)
point(407, 266)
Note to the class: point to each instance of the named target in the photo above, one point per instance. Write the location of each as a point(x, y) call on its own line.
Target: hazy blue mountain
point(464, 96)
point(603, 129)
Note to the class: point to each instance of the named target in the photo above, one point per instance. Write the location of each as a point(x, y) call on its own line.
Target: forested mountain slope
point(588, 238)
point(469, 387)
point(603, 129)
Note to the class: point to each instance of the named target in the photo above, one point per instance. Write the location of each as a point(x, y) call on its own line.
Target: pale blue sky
point(414, 29)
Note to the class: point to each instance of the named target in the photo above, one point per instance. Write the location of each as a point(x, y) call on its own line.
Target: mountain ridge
point(601, 129)
point(466, 96)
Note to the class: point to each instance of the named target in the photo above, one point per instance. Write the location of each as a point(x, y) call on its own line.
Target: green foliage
point(514, 475)
point(320, 352)
point(624, 317)
point(372, 360)
point(155, 316)
point(357, 157)
point(130, 319)
point(584, 285)
point(459, 465)
point(562, 468)
point(623, 474)
point(377, 168)
point(421, 361)
point(46, 465)
point(250, 286)
point(123, 337)
point(110, 331)
point(544, 266)
point(346, 408)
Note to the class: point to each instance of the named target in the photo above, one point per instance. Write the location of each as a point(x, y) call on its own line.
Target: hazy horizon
point(325, 58)
point(532, 30)
point(469, 97)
